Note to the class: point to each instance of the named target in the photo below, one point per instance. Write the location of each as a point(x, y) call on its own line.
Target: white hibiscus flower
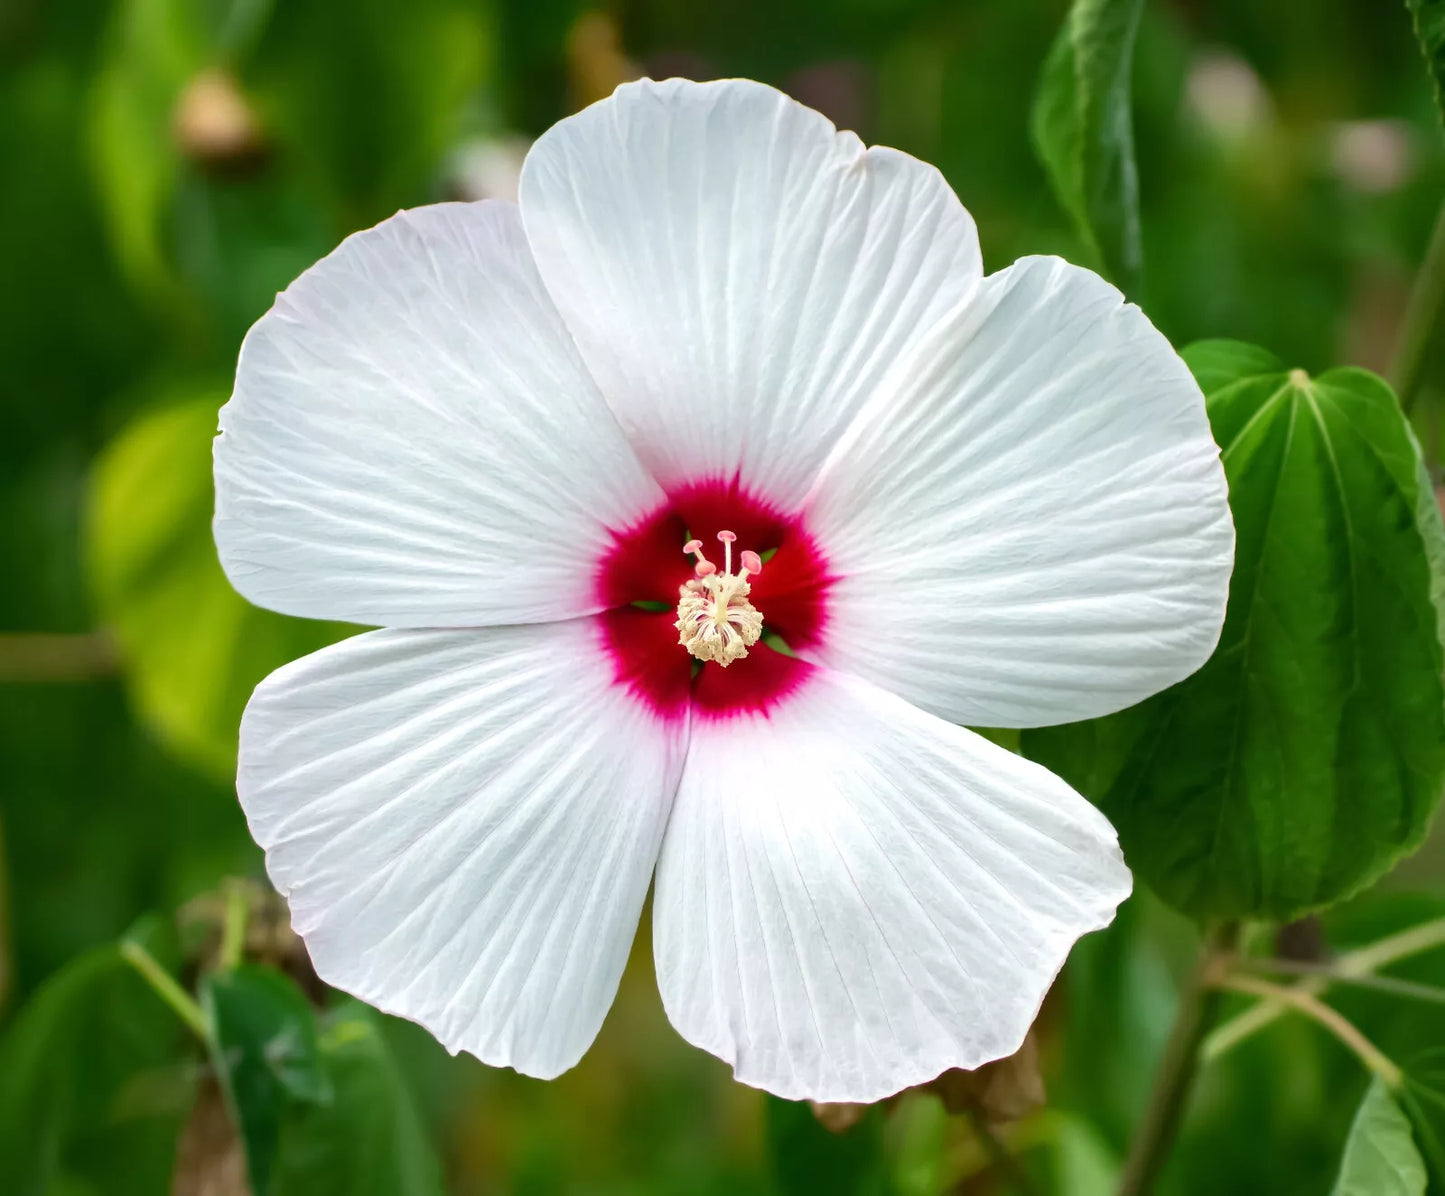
point(493, 429)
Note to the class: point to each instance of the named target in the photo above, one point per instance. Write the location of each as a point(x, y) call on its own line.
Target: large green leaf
point(265, 1053)
point(1084, 133)
point(368, 1140)
point(92, 1088)
point(194, 648)
point(1380, 1155)
point(1429, 19)
point(1308, 754)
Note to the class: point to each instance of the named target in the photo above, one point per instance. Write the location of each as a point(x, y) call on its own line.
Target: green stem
point(1198, 1003)
point(1320, 1013)
point(1423, 317)
point(1382, 984)
point(1402, 945)
point(233, 926)
point(166, 988)
point(37, 656)
point(1361, 962)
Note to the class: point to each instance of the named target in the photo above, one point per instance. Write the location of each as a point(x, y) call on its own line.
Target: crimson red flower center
point(638, 579)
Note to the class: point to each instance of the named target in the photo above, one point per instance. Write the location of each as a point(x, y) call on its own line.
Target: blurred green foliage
point(91, 1096)
point(171, 164)
point(195, 648)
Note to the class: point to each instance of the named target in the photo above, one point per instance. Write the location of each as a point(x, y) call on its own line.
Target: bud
point(838, 1118)
point(1005, 1090)
point(214, 124)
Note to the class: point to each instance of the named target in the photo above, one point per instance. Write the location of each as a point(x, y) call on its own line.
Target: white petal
point(1030, 525)
point(854, 895)
point(464, 823)
point(737, 274)
point(413, 440)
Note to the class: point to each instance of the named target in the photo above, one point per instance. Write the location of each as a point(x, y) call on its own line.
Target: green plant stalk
point(233, 926)
point(1332, 1020)
point(1361, 962)
point(167, 989)
point(1407, 989)
point(30, 657)
point(1424, 316)
point(1198, 1005)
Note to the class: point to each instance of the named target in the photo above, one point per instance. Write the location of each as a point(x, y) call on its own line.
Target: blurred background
point(168, 165)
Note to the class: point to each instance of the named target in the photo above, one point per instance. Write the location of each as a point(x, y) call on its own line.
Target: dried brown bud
point(1002, 1091)
point(838, 1118)
point(214, 123)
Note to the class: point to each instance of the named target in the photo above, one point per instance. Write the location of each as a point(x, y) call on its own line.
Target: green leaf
point(92, 1089)
point(1084, 134)
point(369, 1139)
point(266, 1056)
point(1308, 754)
point(1429, 19)
point(1217, 364)
point(194, 648)
point(1380, 1155)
